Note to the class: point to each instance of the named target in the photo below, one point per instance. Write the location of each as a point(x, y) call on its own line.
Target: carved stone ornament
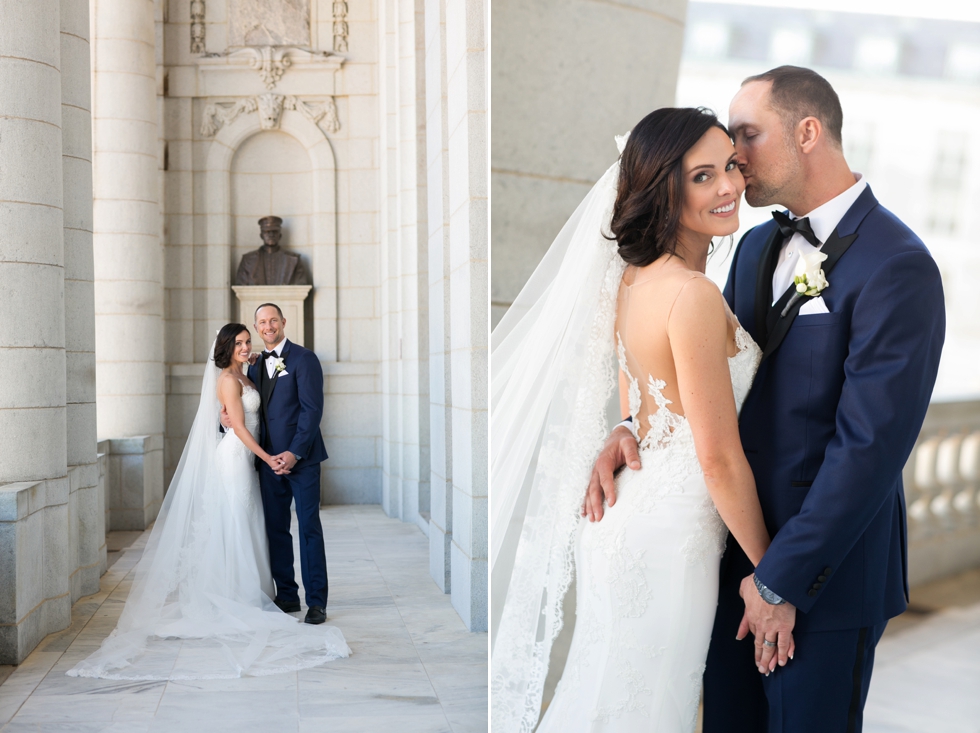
point(269, 107)
point(268, 22)
point(197, 26)
point(340, 29)
point(272, 61)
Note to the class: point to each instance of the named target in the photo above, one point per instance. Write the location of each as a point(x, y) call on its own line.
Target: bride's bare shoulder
point(699, 303)
point(228, 385)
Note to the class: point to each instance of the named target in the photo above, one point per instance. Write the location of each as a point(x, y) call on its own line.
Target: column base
point(28, 527)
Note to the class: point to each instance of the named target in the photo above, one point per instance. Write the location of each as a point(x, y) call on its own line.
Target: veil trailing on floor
point(552, 372)
point(194, 610)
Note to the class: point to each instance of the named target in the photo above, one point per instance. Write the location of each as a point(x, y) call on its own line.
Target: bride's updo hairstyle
point(224, 345)
point(650, 193)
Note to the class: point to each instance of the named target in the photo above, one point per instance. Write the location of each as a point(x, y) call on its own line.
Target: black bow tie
point(267, 354)
point(788, 227)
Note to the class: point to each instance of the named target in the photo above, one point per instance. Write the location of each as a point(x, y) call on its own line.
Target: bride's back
point(647, 297)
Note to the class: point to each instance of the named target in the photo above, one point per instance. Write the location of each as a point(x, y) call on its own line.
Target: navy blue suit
point(830, 421)
point(292, 406)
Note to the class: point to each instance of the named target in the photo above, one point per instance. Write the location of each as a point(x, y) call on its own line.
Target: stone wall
point(52, 547)
point(311, 160)
point(434, 273)
point(568, 75)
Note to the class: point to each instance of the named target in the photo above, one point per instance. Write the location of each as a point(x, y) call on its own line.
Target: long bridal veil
point(552, 372)
point(196, 609)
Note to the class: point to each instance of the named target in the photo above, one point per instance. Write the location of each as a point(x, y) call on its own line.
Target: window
point(948, 172)
point(708, 40)
point(877, 55)
point(963, 62)
point(791, 46)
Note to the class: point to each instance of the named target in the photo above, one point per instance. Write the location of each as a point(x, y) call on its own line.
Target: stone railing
point(942, 493)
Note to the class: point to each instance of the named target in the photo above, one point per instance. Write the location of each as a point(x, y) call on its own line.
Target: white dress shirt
point(823, 220)
point(269, 362)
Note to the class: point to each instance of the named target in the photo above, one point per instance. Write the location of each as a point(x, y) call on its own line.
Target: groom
point(831, 419)
point(290, 380)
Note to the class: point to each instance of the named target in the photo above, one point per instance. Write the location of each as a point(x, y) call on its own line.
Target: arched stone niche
point(319, 249)
point(270, 174)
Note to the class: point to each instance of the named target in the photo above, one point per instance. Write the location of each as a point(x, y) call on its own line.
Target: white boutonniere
point(279, 365)
point(808, 278)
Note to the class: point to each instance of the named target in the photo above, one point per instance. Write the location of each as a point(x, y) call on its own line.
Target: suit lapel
point(275, 375)
point(265, 382)
point(763, 283)
point(834, 248)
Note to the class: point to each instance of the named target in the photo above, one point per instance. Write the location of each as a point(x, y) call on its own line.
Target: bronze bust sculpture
point(270, 264)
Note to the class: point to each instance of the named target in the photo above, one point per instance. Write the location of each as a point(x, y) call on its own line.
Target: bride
point(201, 604)
point(647, 574)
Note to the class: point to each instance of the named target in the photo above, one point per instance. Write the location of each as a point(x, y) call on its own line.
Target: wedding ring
point(766, 642)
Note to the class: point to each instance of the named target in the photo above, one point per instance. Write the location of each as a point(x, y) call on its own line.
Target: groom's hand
point(767, 622)
point(286, 461)
point(620, 449)
point(225, 420)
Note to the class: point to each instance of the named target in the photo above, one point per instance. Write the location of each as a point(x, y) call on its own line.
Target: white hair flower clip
point(621, 142)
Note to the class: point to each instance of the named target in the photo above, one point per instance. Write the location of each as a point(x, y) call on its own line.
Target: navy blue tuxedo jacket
point(834, 412)
point(292, 405)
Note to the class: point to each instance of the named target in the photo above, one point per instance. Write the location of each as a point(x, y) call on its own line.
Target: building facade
point(141, 142)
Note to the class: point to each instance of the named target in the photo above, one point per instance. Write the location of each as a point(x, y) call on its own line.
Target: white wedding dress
point(647, 577)
point(647, 573)
point(201, 605)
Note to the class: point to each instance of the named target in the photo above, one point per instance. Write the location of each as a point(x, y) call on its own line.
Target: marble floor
point(414, 668)
point(927, 665)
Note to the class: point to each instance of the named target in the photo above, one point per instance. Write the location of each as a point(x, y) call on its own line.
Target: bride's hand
point(273, 463)
point(620, 449)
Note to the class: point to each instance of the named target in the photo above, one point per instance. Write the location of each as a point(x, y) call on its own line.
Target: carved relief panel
point(269, 23)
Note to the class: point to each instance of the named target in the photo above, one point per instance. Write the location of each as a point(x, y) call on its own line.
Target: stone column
point(440, 310)
point(405, 381)
point(127, 244)
point(34, 543)
point(86, 509)
point(568, 75)
point(466, 61)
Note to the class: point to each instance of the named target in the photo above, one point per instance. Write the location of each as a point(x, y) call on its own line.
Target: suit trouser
point(821, 690)
point(278, 492)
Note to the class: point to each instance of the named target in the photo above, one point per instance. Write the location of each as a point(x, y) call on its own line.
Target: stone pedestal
point(289, 298)
point(34, 573)
point(134, 481)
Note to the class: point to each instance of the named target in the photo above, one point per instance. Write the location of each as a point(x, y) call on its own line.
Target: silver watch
point(767, 595)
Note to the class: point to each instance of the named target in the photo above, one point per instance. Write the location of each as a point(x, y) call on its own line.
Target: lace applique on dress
point(707, 545)
point(634, 685)
point(251, 402)
point(663, 422)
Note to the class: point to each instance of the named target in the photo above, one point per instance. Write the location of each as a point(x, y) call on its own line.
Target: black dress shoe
point(316, 615)
point(287, 606)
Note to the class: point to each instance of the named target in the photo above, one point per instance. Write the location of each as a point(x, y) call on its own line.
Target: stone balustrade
point(942, 493)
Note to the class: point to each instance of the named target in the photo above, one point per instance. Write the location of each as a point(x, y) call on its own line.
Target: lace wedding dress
point(201, 603)
point(647, 576)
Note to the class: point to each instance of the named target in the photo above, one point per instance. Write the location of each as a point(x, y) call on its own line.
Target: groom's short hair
point(797, 93)
point(268, 305)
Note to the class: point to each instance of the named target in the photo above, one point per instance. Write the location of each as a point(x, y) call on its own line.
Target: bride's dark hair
point(224, 344)
point(650, 193)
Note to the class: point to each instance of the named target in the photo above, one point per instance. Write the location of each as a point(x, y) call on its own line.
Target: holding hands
point(282, 464)
point(771, 625)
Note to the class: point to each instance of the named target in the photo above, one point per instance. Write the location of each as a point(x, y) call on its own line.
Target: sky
point(965, 10)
